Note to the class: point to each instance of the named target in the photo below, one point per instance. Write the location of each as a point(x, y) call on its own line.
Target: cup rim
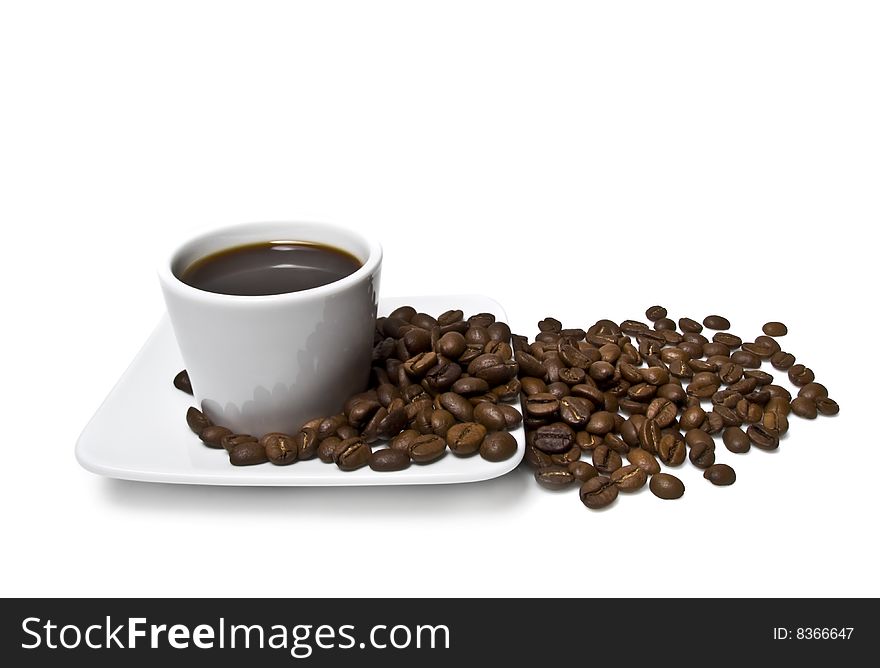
point(172, 282)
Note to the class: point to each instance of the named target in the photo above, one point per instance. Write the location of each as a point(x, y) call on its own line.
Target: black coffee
point(269, 268)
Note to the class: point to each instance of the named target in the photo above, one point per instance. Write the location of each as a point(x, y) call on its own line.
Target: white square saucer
point(163, 449)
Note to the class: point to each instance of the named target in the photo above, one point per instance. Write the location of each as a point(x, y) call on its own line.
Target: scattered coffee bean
point(387, 459)
point(655, 313)
point(629, 478)
point(827, 406)
point(716, 322)
point(230, 441)
point(736, 440)
point(212, 435)
point(248, 454)
point(800, 375)
point(465, 438)
point(582, 470)
point(761, 437)
point(181, 382)
point(498, 446)
point(598, 492)
point(720, 474)
point(280, 448)
point(427, 448)
point(666, 486)
point(782, 360)
point(775, 329)
point(197, 420)
point(554, 477)
point(804, 407)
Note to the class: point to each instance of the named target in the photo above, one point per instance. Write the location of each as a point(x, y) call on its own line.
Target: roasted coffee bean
point(601, 371)
point(441, 376)
point(641, 392)
point(598, 492)
point(457, 405)
point(280, 448)
point(732, 341)
point(813, 391)
point(691, 349)
point(671, 450)
point(600, 423)
point(775, 422)
point(451, 345)
point(402, 313)
point(736, 440)
point(689, 325)
point(782, 360)
point(629, 432)
point(573, 454)
point(572, 376)
point(387, 459)
point(327, 447)
point(553, 438)
point(213, 435)
point(778, 405)
point(587, 441)
point(720, 474)
point(751, 355)
point(554, 477)
point(498, 446)
point(775, 329)
point(575, 411)
point(573, 357)
point(616, 443)
point(582, 471)
point(655, 313)
point(748, 411)
point(763, 438)
point(778, 391)
point(675, 393)
point(827, 406)
point(418, 365)
point(692, 418)
point(730, 372)
point(542, 405)
point(229, 441)
point(644, 460)
point(704, 387)
point(197, 420)
point(362, 412)
point(632, 327)
point(714, 423)
point(465, 438)
point(417, 340)
point(702, 455)
point(716, 322)
point(530, 385)
point(664, 324)
point(666, 486)
point(629, 478)
point(558, 389)
point(605, 459)
point(441, 421)
point(649, 436)
point(248, 454)
point(695, 437)
point(490, 416)
point(307, 442)
point(537, 459)
point(729, 417)
point(512, 417)
point(427, 448)
point(804, 407)
point(800, 375)
point(181, 382)
point(508, 391)
point(549, 325)
point(662, 411)
point(655, 375)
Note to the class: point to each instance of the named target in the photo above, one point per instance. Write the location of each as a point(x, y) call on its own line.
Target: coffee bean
point(549, 325)
point(689, 325)
point(307, 442)
point(720, 474)
point(575, 411)
point(655, 313)
point(582, 471)
point(692, 418)
point(726, 338)
point(716, 322)
point(714, 423)
point(553, 438)
point(703, 386)
point(542, 405)
point(771, 344)
point(498, 446)
point(671, 450)
point(554, 477)
point(598, 492)
point(762, 437)
point(804, 407)
point(664, 324)
point(441, 421)
point(441, 376)
point(248, 454)
point(782, 360)
point(666, 486)
point(827, 406)
point(730, 372)
point(655, 375)
point(746, 358)
point(387, 459)
point(280, 448)
point(629, 478)
point(470, 386)
point(460, 408)
point(775, 329)
point(537, 459)
point(632, 327)
point(327, 447)
point(181, 382)
point(605, 459)
point(813, 391)
point(662, 411)
point(644, 460)
point(418, 365)
point(213, 435)
point(778, 405)
point(465, 438)
point(197, 420)
point(702, 455)
point(649, 436)
point(490, 416)
point(800, 375)
point(778, 391)
point(427, 448)
point(775, 422)
point(600, 423)
point(229, 441)
point(512, 417)
point(573, 454)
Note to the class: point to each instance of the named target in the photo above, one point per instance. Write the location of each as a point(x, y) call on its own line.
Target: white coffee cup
point(267, 363)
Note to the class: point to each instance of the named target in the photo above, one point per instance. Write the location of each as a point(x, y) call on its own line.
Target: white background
point(706, 156)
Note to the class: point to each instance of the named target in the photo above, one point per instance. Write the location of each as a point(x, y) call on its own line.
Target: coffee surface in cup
point(269, 268)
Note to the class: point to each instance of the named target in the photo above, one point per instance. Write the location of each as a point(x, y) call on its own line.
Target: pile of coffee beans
point(632, 397)
point(437, 385)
